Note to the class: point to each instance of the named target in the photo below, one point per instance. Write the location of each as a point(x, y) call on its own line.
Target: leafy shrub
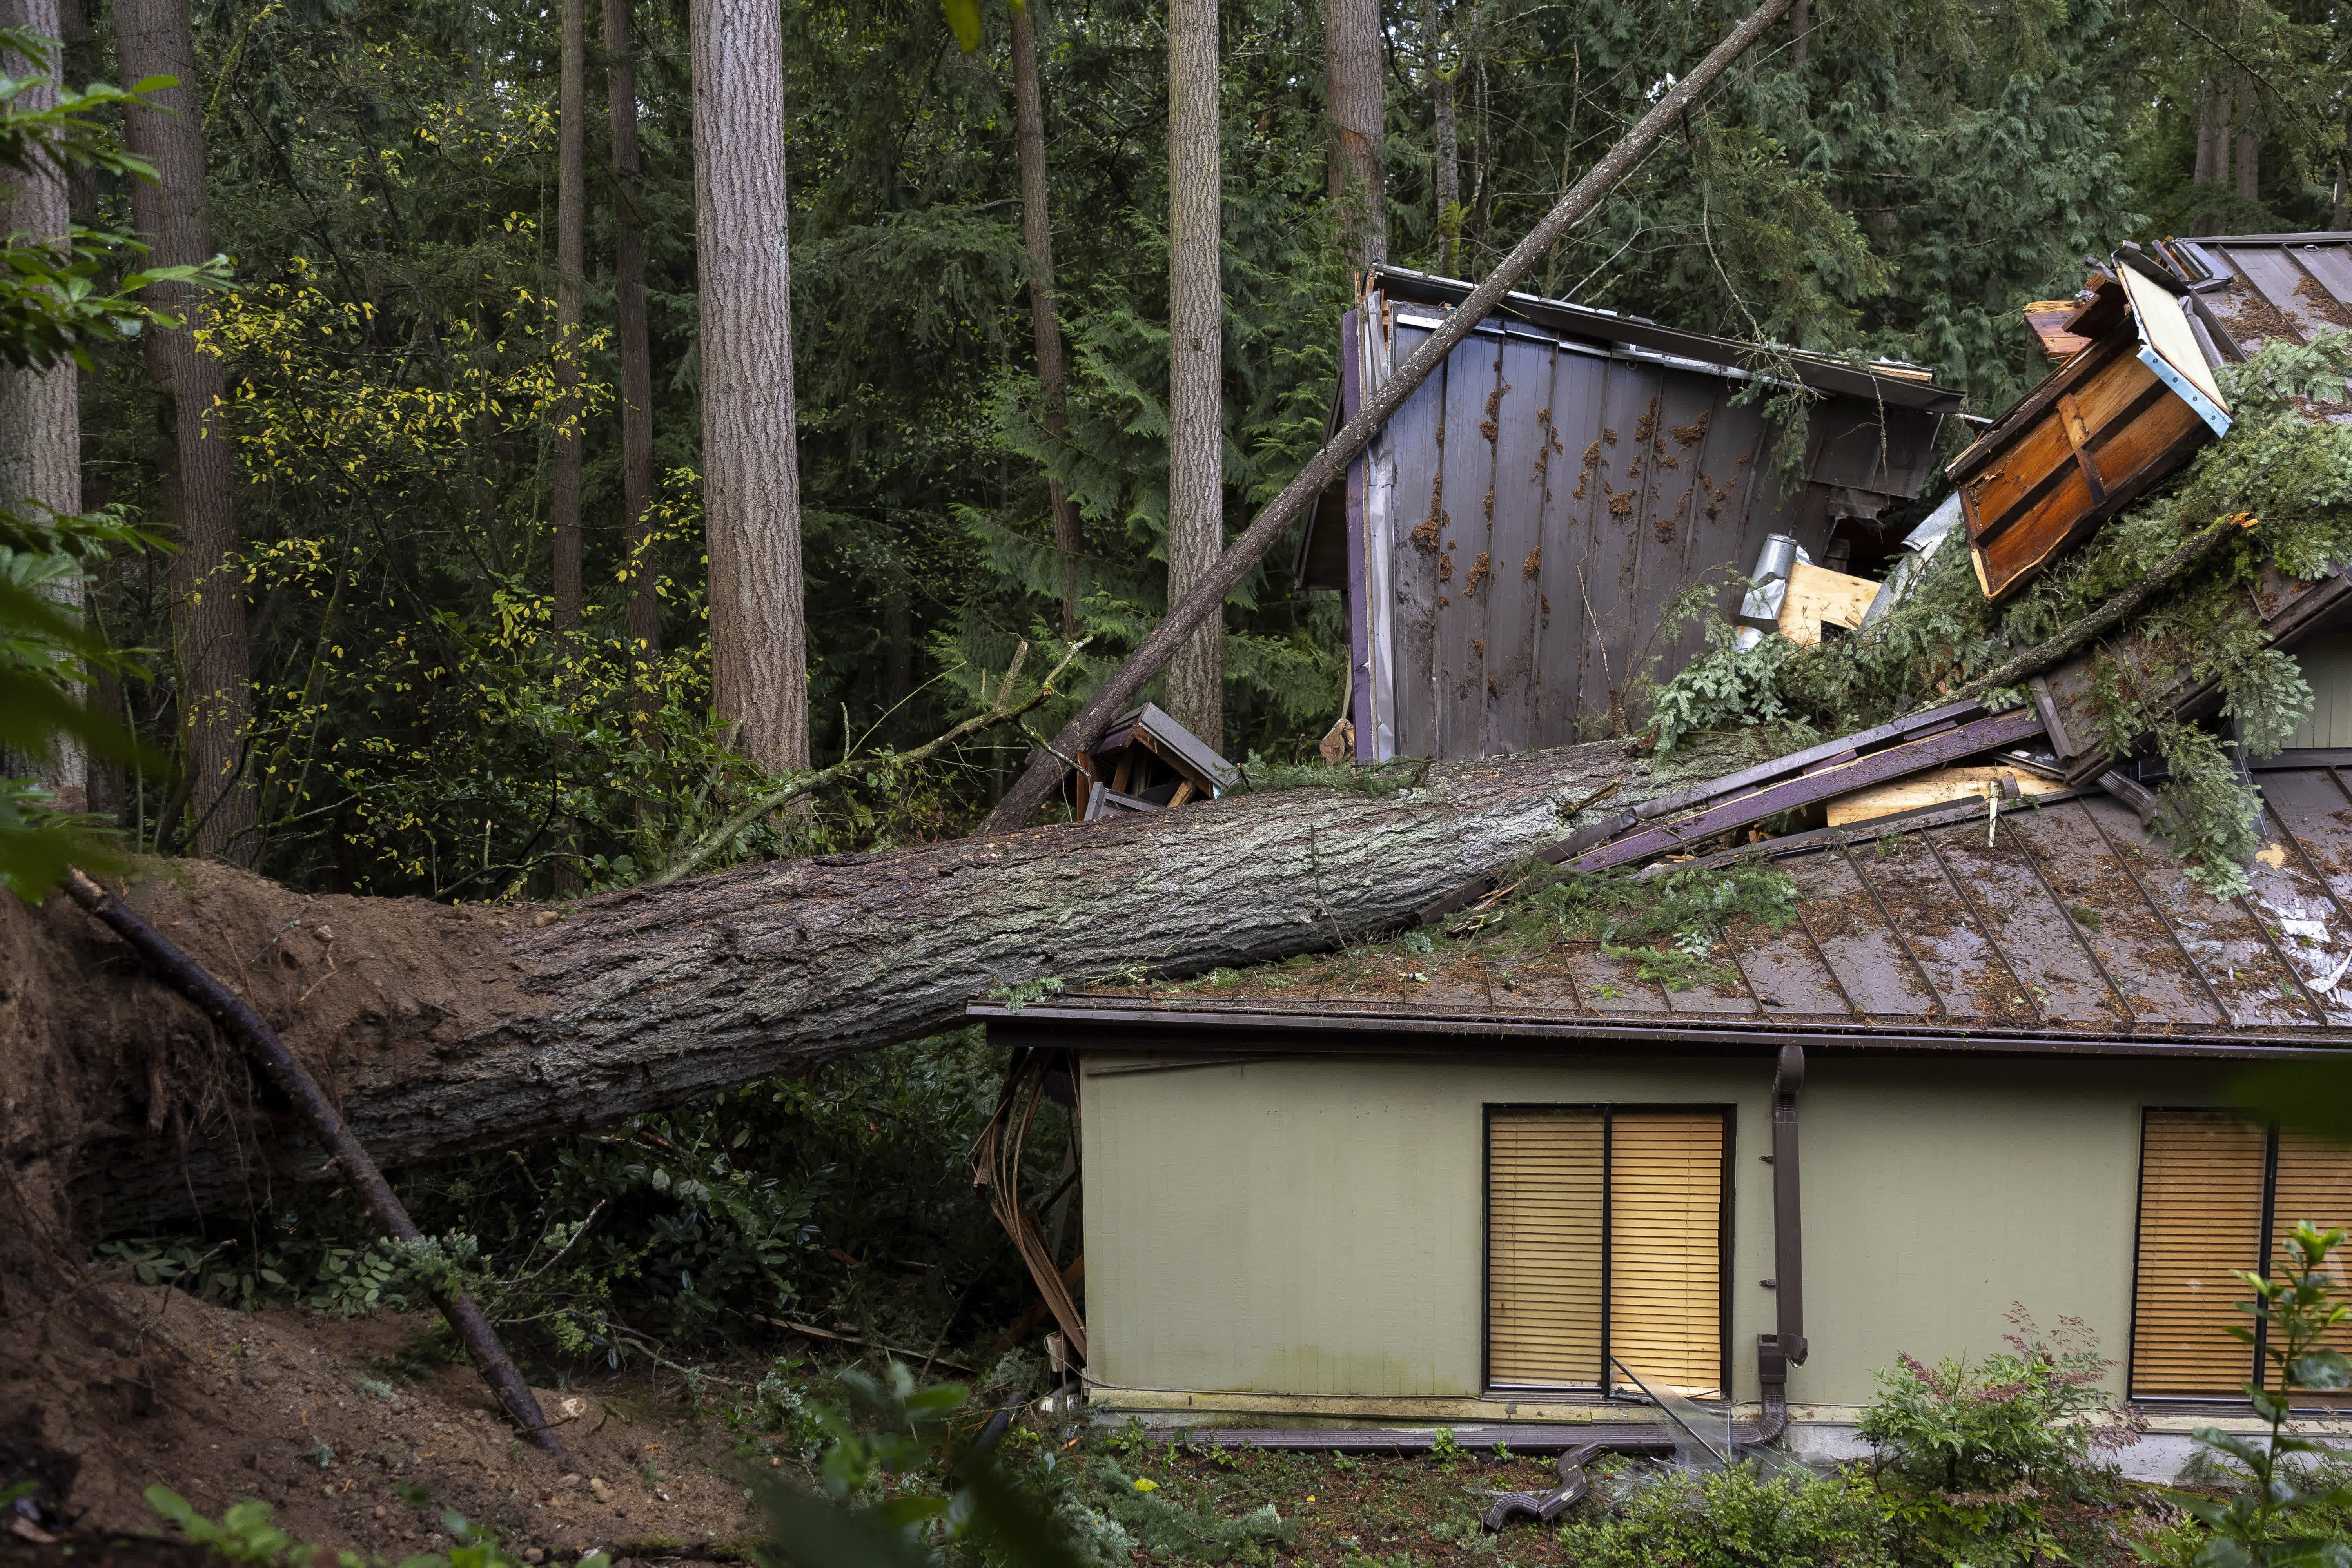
point(1146, 1516)
point(1736, 1519)
point(1966, 1455)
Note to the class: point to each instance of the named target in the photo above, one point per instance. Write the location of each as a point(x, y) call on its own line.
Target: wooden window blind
point(2314, 1182)
point(2200, 1215)
point(1604, 1238)
point(2210, 1185)
point(1544, 1259)
point(1665, 1228)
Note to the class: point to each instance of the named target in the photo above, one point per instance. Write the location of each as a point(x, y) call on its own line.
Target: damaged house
point(1577, 1184)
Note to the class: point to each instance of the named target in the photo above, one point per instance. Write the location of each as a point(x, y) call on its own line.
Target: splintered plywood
point(2049, 319)
point(1817, 598)
point(1934, 788)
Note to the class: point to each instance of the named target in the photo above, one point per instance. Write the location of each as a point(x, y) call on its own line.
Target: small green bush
point(1737, 1519)
point(1966, 1455)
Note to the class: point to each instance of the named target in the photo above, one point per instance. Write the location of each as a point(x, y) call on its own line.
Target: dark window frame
point(1729, 1112)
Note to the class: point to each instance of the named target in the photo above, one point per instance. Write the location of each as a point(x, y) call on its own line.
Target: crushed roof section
point(2259, 288)
point(2062, 919)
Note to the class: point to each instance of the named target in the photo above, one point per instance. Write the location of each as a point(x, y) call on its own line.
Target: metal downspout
point(1772, 1361)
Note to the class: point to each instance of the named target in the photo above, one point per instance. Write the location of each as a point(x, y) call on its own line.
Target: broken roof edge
point(1769, 362)
point(1325, 1028)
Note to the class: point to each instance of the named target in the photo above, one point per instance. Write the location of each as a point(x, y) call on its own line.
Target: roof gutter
point(1338, 1031)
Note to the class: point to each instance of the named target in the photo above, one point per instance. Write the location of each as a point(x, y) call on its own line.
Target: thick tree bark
point(2249, 170)
point(1447, 175)
point(2208, 134)
point(635, 349)
point(1352, 96)
point(41, 422)
point(1037, 234)
point(199, 496)
point(752, 502)
point(1196, 451)
point(439, 1030)
point(570, 283)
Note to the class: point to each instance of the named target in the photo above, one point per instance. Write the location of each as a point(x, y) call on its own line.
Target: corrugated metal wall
point(1533, 509)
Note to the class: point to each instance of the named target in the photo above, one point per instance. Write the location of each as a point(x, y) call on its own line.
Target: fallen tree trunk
point(443, 1030)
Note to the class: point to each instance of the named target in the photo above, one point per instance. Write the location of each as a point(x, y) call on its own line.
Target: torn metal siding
point(1530, 511)
point(2061, 926)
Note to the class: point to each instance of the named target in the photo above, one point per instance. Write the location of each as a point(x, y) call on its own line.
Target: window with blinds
point(1604, 1241)
point(2218, 1194)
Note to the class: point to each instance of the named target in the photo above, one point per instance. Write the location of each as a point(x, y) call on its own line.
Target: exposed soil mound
point(118, 1387)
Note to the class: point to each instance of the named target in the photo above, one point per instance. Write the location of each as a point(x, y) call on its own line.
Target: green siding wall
point(1314, 1227)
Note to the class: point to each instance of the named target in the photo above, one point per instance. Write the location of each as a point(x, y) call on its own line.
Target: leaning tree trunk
point(441, 1030)
point(199, 494)
point(750, 503)
point(1196, 450)
point(40, 419)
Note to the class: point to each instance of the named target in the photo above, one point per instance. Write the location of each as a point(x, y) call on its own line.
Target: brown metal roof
point(2260, 287)
point(2067, 930)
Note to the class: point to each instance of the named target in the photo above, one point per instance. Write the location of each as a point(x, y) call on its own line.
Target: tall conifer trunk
point(2249, 169)
point(1447, 175)
point(1196, 478)
point(199, 499)
point(1037, 234)
point(40, 424)
point(570, 264)
point(636, 358)
point(751, 505)
point(1351, 96)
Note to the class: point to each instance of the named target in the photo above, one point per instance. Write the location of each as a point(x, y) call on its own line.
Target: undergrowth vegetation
point(841, 1199)
point(2287, 471)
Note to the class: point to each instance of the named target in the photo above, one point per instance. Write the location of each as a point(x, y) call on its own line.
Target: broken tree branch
point(2067, 639)
point(359, 1171)
point(803, 783)
point(1207, 597)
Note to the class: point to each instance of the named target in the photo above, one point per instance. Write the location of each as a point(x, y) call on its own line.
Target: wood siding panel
point(1544, 1249)
point(1665, 1264)
point(2327, 662)
point(2200, 1215)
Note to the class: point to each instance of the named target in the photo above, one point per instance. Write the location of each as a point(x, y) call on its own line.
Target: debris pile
point(1147, 762)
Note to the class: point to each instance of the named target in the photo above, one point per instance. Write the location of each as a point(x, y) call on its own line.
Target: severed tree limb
point(1207, 597)
point(2067, 639)
point(803, 783)
point(359, 1171)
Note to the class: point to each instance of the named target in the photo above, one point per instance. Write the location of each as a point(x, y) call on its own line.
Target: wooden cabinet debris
point(2121, 413)
point(1147, 762)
